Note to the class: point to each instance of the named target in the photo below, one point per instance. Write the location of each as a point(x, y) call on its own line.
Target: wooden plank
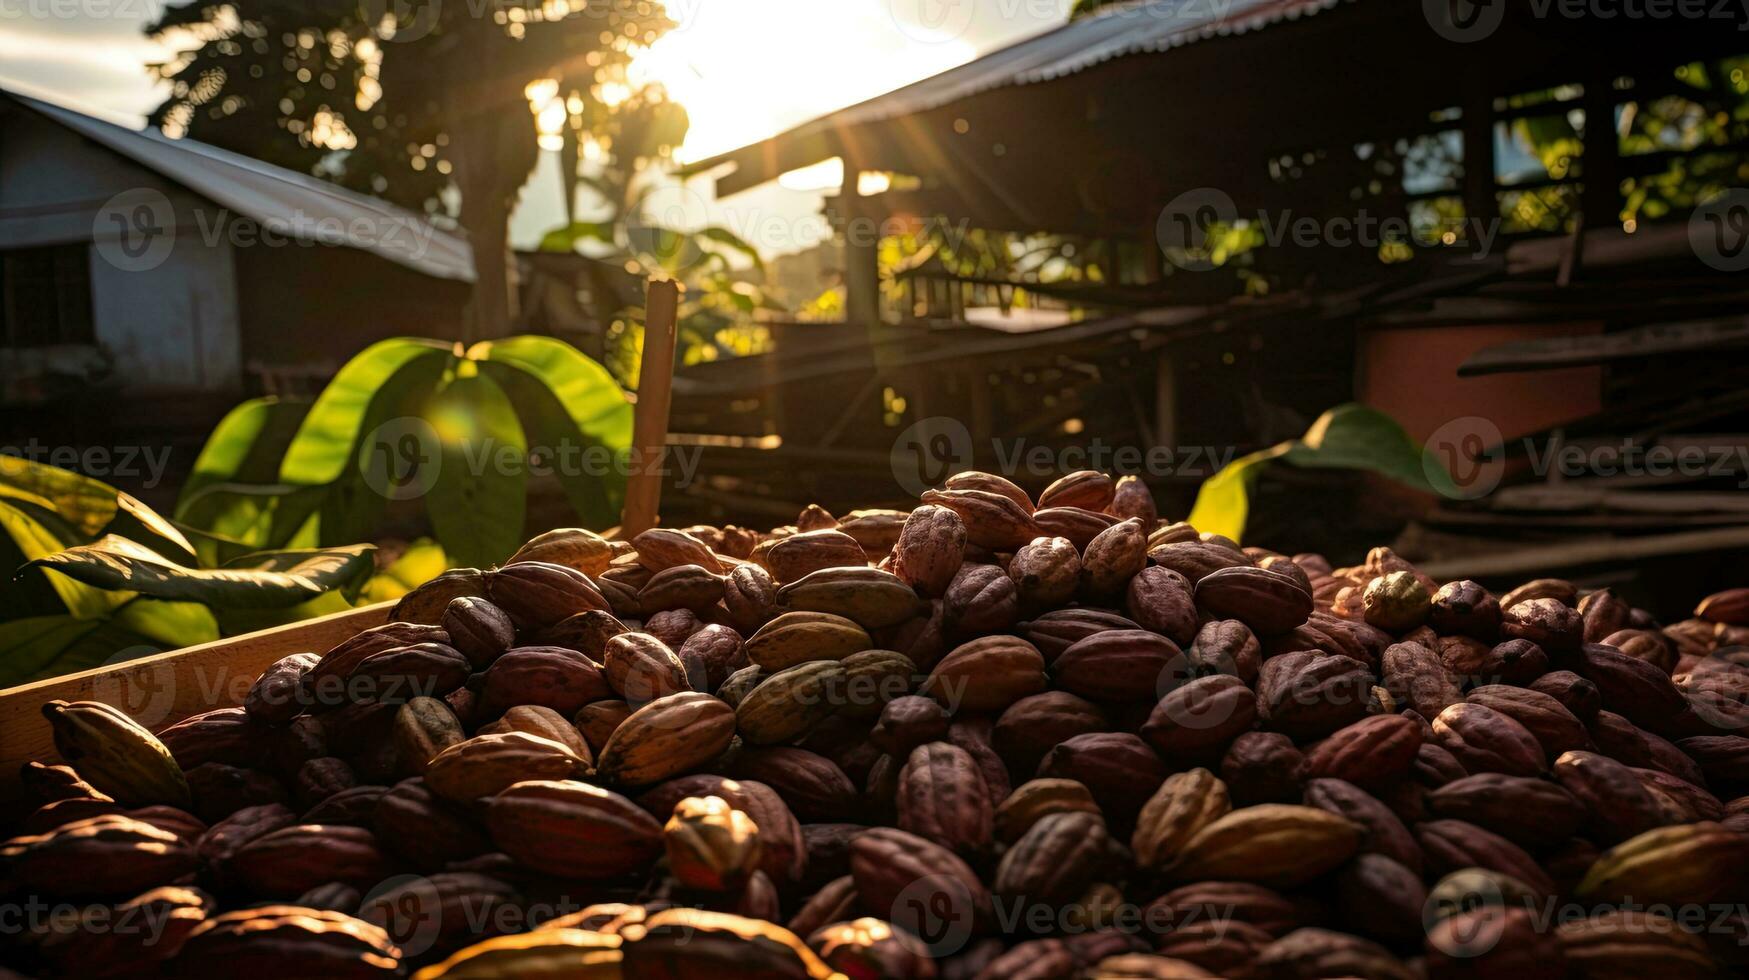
point(643, 505)
point(1529, 562)
point(167, 687)
point(1581, 350)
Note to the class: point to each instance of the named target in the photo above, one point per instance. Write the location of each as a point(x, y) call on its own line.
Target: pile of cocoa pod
point(990, 737)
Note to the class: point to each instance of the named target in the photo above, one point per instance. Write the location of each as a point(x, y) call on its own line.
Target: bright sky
point(744, 69)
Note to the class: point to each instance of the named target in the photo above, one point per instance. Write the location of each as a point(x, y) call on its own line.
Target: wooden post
point(862, 275)
point(650, 420)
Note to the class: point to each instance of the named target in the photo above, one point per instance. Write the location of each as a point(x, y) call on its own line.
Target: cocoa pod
point(1307, 953)
point(690, 587)
point(1578, 695)
point(1723, 758)
point(640, 668)
point(711, 845)
point(1162, 600)
point(544, 722)
point(691, 942)
point(1373, 750)
point(1548, 623)
point(1119, 769)
point(1632, 688)
point(419, 827)
point(1382, 899)
point(660, 547)
point(711, 655)
point(877, 530)
point(1619, 804)
point(1382, 831)
point(577, 548)
point(425, 727)
point(1076, 525)
point(665, 738)
point(1195, 559)
point(891, 868)
point(224, 838)
point(930, 548)
point(1116, 665)
point(871, 598)
point(1417, 676)
point(1226, 646)
point(1055, 860)
point(1485, 740)
point(986, 675)
point(1036, 799)
point(292, 860)
point(106, 942)
point(871, 947)
point(226, 735)
point(1684, 865)
point(1029, 727)
point(1465, 609)
point(274, 697)
point(1056, 631)
point(832, 903)
point(598, 720)
point(799, 637)
point(908, 722)
point(1114, 557)
point(1199, 719)
point(398, 675)
point(286, 941)
point(109, 855)
point(1306, 695)
point(992, 520)
point(112, 752)
point(813, 786)
point(479, 629)
point(1493, 943)
point(785, 705)
point(1396, 602)
point(572, 829)
point(872, 678)
point(750, 596)
point(1618, 943)
point(942, 798)
point(538, 594)
point(1184, 804)
point(1046, 572)
point(796, 556)
point(1263, 767)
point(1086, 489)
point(1452, 845)
point(485, 764)
point(552, 677)
point(426, 603)
point(980, 600)
point(1270, 844)
point(1268, 602)
point(1503, 804)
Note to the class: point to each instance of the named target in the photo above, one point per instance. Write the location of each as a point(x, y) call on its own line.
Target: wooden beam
point(1526, 562)
point(650, 421)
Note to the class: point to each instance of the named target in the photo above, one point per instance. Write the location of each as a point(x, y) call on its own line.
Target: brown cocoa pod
point(891, 867)
point(1226, 646)
point(1198, 719)
point(787, 704)
point(226, 735)
point(1633, 688)
point(577, 548)
point(552, 677)
point(1452, 845)
point(274, 697)
point(799, 637)
point(1417, 677)
point(1114, 557)
point(975, 735)
point(1306, 695)
point(1269, 844)
point(711, 655)
point(1262, 767)
point(750, 596)
point(354, 806)
point(1549, 721)
point(690, 587)
point(799, 554)
point(1119, 769)
point(1559, 590)
point(1690, 864)
point(1465, 609)
point(544, 722)
point(1493, 943)
point(1382, 899)
point(1162, 600)
point(920, 638)
point(1223, 949)
point(872, 678)
point(1723, 758)
point(832, 903)
point(1622, 943)
point(1373, 750)
point(661, 547)
point(992, 520)
point(1046, 572)
point(286, 941)
point(1695, 803)
point(942, 797)
point(871, 947)
point(1195, 559)
point(1578, 695)
point(1527, 811)
point(1382, 831)
point(1132, 498)
point(1117, 665)
point(224, 838)
point(449, 908)
point(930, 548)
point(1436, 766)
point(1184, 804)
point(1037, 798)
point(640, 668)
point(115, 942)
point(1056, 631)
point(319, 779)
point(108, 855)
point(813, 786)
point(292, 860)
point(220, 790)
point(1076, 525)
point(1603, 613)
point(425, 604)
point(877, 530)
point(485, 764)
point(572, 829)
point(1548, 623)
point(1308, 953)
point(1087, 489)
point(667, 737)
point(980, 600)
point(908, 722)
point(423, 728)
point(690, 942)
point(990, 483)
point(598, 720)
point(538, 594)
point(1485, 740)
point(479, 629)
point(986, 675)
point(420, 828)
point(1055, 860)
point(398, 675)
point(1266, 601)
point(1029, 727)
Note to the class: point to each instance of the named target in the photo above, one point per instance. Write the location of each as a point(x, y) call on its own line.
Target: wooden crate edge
point(165, 687)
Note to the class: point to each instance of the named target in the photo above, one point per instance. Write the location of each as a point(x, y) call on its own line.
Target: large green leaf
point(423, 561)
point(28, 647)
point(83, 502)
point(267, 580)
point(1348, 436)
point(324, 445)
point(478, 501)
point(566, 238)
point(245, 449)
point(137, 522)
point(393, 443)
point(570, 406)
point(26, 592)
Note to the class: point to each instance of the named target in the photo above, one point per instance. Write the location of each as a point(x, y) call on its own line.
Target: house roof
point(285, 201)
point(1138, 27)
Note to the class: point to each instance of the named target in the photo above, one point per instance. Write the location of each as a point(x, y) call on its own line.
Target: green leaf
point(246, 447)
point(569, 405)
point(137, 522)
point(323, 448)
point(1348, 436)
point(265, 580)
point(477, 503)
point(566, 238)
point(29, 646)
point(423, 561)
point(81, 501)
point(172, 624)
point(27, 541)
point(723, 236)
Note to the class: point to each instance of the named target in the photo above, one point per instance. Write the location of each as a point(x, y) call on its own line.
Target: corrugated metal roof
point(282, 200)
point(1142, 27)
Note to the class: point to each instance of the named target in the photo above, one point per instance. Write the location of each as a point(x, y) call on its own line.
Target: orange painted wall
point(1412, 374)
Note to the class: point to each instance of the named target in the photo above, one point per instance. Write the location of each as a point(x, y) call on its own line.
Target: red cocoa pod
point(1266, 601)
point(1116, 665)
point(1418, 678)
point(1549, 721)
point(1693, 803)
point(479, 629)
point(424, 830)
point(537, 594)
point(572, 829)
point(1263, 767)
point(1603, 613)
point(1619, 804)
point(1452, 845)
point(903, 877)
point(1056, 631)
point(1493, 943)
point(1723, 758)
point(1074, 524)
point(1621, 740)
point(1382, 899)
point(293, 860)
point(1199, 719)
point(1031, 726)
point(274, 697)
point(227, 735)
point(813, 786)
point(1383, 832)
point(1195, 559)
point(324, 685)
point(1226, 646)
point(980, 600)
point(640, 668)
point(286, 941)
point(397, 676)
point(690, 587)
point(1465, 609)
point(1576, 694)
point(942, 797)
point(1162, 600)
point(1238, 902)
point(1046, 572)
point(1132, 498)
point(930, 549)
point(1305, 695)
point(1529, 812)
point(1055, 860)
point(1485, 740)
point(1549, 623)
point(1119, 769)
point(109, 855)
point(551, 677)
point(1224, 949)
point(1086, 489)
point(986, 675)
point(1633, 688)
point(1435, 766)
point(710, 656)
point(908, 722)
point(1378, 749)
